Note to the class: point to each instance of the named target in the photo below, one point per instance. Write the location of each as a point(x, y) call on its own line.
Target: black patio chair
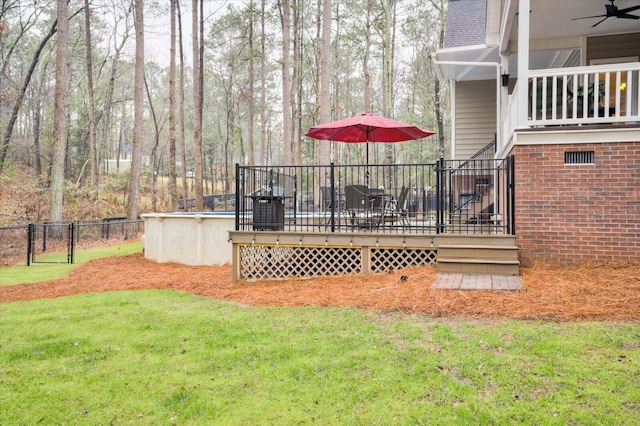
point(358, 206)
point(396, 210)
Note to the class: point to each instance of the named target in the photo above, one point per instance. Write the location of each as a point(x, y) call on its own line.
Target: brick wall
point(578, 212)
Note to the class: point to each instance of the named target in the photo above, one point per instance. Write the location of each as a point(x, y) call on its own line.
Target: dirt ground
point(591, 291)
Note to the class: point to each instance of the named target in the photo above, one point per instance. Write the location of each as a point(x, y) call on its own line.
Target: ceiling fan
point(613, 12)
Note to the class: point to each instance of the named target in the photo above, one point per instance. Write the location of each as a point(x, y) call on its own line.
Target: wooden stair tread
point(479, 261)
point(473, 246)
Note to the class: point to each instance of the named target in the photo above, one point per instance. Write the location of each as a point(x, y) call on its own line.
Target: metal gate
point(476, 196)
point(50, 243)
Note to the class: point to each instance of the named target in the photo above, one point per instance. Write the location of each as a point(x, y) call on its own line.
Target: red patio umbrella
point(367, 127)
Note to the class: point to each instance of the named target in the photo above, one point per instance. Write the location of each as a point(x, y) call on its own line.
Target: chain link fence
point(68, 242)
point(14, 242)
point(88, 238)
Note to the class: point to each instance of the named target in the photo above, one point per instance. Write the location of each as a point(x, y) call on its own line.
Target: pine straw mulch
point(588, 292)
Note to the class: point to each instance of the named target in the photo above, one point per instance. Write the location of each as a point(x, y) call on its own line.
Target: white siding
point(493, 22)
point(614, 46)
point(475, 116)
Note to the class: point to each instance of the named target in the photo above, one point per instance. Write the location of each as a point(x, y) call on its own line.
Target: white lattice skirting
point(289, 261)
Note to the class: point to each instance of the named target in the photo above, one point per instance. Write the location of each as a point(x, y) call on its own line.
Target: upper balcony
point(606, 95)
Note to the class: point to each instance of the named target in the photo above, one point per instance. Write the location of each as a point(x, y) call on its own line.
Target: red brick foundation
point(577, 212)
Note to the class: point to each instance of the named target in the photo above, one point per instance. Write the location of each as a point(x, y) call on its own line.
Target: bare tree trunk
point(296, 83)
point(19, 100)
point(285, 20)
point(365, 62)
point(263, 88)
point(37, 121)
point(440, 7)
point(197, 104)
point(108, 103)
point(201, 97)
point(154, 150)
point(183, 142)
point(138, 114)
point(60, 114)
point(325, 82)
point(121, 134)
point(173, 191)
point(388, 41)
point(229, 121)
point(92, 109)
point(250, 143)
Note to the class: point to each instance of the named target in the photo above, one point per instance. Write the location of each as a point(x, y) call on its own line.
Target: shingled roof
point(466, 23)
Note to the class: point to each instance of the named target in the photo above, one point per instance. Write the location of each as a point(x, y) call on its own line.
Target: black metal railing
point(479, 195)
point(473, 196)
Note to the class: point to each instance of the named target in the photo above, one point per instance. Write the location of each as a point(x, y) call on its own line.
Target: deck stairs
point(477, 210)
point(479, 254)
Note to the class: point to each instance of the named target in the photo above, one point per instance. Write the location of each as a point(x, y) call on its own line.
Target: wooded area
point(170, 94)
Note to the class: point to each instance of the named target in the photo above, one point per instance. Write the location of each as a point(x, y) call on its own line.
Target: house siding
point(574, 213)
point(475, 112)
point(613, 46)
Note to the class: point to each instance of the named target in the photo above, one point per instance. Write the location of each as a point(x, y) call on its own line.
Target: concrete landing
point(446, 281)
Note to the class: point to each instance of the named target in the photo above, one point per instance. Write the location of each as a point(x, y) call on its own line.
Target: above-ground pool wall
point(191, 239)
point(576, 207)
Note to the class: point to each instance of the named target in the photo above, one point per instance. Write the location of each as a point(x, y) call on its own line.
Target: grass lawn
point(49, 271)
point(164, 357)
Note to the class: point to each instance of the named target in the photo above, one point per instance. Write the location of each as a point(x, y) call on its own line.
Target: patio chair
point(358, 206)
point(397, 209)
point(326, 203)
point(325, 195)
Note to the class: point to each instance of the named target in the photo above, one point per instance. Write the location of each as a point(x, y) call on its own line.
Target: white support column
point(523, 62)
point(452, 105)
point(503, 102)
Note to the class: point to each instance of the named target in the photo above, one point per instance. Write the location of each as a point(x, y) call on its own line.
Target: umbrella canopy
point(367, 127)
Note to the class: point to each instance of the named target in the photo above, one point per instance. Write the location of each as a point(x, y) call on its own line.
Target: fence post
point(71, 242)
point(29, 243)
point(44, 236)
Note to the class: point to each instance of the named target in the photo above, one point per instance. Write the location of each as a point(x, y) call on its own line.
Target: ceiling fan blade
point(627, 16)
point(589, 17)
point(599, 22)
point(628, 9)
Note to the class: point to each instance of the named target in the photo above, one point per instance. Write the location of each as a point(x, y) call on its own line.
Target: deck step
point(477, 240)
point(485, 252)
point(477, 266)
point(495, 256)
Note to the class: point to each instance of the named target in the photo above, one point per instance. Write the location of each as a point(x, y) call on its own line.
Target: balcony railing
point(601, 94)
point(472, 196)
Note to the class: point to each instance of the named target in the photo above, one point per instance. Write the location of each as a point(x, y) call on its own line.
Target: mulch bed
point(591, 291)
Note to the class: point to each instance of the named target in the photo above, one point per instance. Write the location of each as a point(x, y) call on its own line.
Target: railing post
point(440, 194)
point(512, 193)
point(333, 196)
point(238, 185)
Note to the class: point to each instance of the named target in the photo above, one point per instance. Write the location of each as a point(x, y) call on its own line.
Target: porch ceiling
point(549, 19)
point(554, 18)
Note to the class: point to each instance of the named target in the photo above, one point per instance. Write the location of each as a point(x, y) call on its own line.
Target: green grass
point(163, 357)
point(49, 271)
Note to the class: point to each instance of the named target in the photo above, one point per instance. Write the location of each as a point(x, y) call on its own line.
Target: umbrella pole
point(366, 165)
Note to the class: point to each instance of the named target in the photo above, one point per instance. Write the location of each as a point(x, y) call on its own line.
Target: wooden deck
point(289, 254)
